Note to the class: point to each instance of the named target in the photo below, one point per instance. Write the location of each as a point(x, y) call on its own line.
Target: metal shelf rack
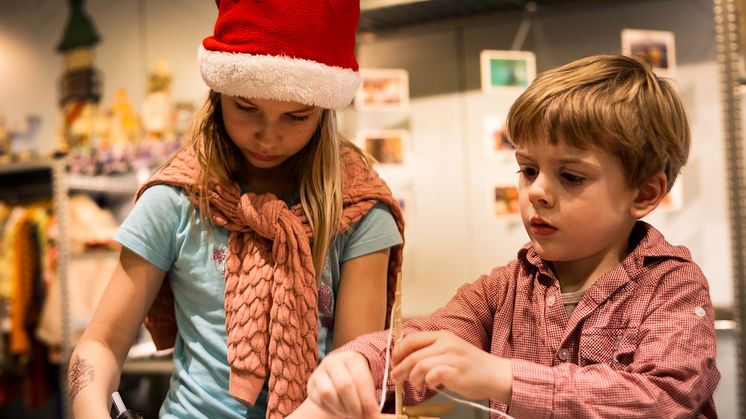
point(31, 180)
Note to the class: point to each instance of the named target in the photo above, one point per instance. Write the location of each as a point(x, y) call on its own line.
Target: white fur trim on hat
point(278, 77)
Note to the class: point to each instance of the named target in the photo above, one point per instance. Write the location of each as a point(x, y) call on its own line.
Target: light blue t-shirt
point(160, 230)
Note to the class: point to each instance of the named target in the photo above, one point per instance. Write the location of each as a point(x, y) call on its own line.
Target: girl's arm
point(361, 298)
point(96, 363)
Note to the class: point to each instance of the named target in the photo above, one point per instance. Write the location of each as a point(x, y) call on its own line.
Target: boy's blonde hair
point(610, 102)
point(316, 171)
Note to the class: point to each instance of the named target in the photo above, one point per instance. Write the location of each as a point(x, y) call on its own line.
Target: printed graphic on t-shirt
point(325, 306)
point(218, 256)
point(325, 298)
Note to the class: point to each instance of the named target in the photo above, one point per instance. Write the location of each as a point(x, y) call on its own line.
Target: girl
point(266, 241)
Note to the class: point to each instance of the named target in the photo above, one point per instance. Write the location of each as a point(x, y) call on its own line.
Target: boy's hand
point(441, 358)
point(342, 385)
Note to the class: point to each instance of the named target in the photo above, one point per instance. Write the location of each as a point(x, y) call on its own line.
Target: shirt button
point(699, 312)
point(550, 300)
point(563, 354)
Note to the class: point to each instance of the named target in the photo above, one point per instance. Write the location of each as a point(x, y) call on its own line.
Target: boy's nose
point(539, 192)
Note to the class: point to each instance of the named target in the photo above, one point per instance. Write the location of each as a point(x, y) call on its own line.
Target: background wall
point(134, 35)
point(451, 236)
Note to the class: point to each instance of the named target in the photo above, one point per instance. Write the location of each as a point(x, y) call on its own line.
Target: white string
point(386, 365)
point(449, 396)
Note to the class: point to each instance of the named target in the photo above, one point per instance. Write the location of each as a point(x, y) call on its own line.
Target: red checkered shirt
point(641, 342)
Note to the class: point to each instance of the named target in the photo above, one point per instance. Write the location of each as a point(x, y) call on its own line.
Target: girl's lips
point(263, 157)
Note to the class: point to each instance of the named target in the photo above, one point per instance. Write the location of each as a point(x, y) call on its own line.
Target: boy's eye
point(529, 172)
point(572, 179)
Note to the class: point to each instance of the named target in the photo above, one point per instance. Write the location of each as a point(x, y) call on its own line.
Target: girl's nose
point(265, 132)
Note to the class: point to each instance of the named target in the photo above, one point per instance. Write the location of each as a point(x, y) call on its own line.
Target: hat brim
point(278, 77)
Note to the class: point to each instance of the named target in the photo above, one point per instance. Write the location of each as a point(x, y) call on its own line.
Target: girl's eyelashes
point(297, 118)
point(243, 108)
point(291, 116)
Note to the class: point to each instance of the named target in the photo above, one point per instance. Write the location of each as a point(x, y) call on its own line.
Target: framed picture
point(504, 198)
point(507, 71)
point(387, 146)
point(657, 47)
point(496, 141)
point(383, 90)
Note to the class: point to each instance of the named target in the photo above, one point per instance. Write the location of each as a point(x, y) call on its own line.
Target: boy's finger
point(421, 347)
point(411, 343)
point(439, 376)
point(365, 386)
point(346, 388)
point(322, 392)
point(403, 369)
point(423, 367)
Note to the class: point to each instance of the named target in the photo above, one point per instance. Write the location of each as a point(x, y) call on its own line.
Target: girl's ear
point(649, 195)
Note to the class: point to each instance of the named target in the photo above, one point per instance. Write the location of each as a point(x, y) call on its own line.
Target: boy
point(598, 316)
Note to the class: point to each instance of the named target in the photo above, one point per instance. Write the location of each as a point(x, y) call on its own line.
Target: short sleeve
point(151, 228)
point(376, 230)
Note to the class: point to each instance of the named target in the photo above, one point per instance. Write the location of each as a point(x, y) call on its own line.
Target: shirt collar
point(651, 246)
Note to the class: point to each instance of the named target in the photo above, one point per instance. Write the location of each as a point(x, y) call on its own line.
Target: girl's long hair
point(315, 170)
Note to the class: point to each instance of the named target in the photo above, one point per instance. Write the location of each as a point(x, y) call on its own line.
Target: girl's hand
point(309, 410)
point(342, 385)
point(435, 359)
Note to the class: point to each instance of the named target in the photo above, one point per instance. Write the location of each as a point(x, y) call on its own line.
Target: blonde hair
point(611, 102)
point(316, 170)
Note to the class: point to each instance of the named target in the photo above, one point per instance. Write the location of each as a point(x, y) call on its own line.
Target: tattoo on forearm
point(79, 376)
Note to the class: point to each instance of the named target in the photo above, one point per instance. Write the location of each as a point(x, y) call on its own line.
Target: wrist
point(502, 388)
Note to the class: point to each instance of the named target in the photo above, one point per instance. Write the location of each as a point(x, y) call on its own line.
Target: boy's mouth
point(540, 226)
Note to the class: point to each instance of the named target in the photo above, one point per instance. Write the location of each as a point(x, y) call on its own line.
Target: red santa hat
point(291, 50)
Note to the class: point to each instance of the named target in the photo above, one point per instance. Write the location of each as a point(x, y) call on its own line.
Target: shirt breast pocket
point(613, 347)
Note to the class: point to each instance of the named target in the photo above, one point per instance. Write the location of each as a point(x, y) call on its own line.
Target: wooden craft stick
point(398, 386)
point(398, 397)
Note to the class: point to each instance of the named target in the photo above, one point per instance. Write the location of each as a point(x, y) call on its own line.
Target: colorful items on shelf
point(157, 110)
point(90, 234)
point(80, 86)
point(122, 158)
point(25, 261)
point(117, 140)
point(18, 141)
point(182, 117)
point(124, 126)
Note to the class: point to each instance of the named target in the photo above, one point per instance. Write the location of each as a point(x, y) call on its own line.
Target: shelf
point(123, 184)
point(725, 325)
point(95, 254)
point(26, 166)
point(147, 366)
point(383, 15)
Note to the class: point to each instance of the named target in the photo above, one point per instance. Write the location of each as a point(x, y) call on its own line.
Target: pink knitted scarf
point(270, 283)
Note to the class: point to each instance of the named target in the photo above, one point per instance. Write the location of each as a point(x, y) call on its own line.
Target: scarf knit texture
point(270, 282)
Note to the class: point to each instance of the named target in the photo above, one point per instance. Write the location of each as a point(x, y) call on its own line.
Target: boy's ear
point(649, 195)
